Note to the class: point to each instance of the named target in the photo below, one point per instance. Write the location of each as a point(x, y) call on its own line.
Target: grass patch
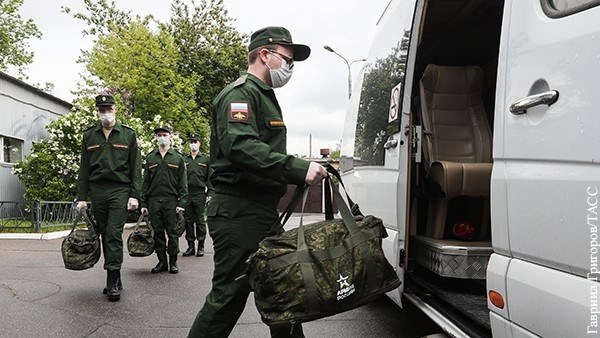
point(27, 227)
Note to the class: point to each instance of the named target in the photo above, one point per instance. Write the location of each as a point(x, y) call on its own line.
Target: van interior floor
point(468, 297)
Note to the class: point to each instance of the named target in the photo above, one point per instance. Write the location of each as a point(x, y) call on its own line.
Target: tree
point(209, 46)
point(14, 33)
point(140, 66)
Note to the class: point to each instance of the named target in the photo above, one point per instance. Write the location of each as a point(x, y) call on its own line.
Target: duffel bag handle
point(139, 221)
point(88, 221)
point(354, 208)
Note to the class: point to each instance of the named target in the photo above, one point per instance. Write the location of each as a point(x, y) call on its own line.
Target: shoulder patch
point(276, 123)
point(240, 81)
point(238, 112)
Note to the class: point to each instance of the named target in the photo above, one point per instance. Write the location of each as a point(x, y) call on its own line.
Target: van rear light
point(496, 299)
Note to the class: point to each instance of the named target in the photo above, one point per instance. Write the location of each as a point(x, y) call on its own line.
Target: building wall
point(25, 112)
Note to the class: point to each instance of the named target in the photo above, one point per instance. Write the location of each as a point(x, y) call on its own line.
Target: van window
point(385, 70)
point(561, 8)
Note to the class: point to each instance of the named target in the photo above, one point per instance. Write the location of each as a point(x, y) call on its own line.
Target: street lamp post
point(349, 64)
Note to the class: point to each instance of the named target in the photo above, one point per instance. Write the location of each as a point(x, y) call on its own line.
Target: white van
point(474, 133)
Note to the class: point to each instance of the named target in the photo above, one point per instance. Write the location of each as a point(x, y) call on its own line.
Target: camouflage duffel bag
point(140, 242)
point(320, 269)
point(180, 223)
point(81, 248)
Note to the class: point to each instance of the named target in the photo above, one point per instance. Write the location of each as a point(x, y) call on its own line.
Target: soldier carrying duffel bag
point(332, 266)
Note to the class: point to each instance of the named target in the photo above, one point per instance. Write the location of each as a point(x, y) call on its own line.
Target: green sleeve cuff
point(297, 170)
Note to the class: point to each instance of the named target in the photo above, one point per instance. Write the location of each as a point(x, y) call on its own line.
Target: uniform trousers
point(164, 220)
point(194, 214)
point(236, 226)
point(109, 206)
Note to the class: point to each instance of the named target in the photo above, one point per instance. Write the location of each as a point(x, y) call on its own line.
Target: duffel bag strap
point(90, 223)
point(306, 268)
point(354, 230)
point(289, 209)
point(144, 217)
point(77, 219)
point(353, 206)
point(139, 221)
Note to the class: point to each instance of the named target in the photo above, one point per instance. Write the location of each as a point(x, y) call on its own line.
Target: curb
point(45, 236)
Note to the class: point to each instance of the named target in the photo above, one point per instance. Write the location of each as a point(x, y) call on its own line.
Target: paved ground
point(40, 298)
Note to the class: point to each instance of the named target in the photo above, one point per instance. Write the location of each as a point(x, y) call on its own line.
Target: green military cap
point(279, 36)
point(163, 128)
point(194, 137)
point(104, 100)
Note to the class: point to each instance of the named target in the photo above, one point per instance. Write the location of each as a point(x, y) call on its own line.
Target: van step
point(452, 258)
point(468, 299)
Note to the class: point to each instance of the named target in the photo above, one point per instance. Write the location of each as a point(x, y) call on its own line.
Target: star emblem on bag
point(343, 281)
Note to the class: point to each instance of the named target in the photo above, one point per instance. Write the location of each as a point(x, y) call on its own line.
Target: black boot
point(173, 264)
point(162, 263)
point(200, 252)
point(119, 283)
point(112, 279)
point(190, 250)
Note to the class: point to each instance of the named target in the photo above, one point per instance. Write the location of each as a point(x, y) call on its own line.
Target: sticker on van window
point(395, 103)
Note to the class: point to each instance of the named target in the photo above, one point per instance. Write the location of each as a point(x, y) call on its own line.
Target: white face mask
point(163, 141)
point(281, 76)
point(194, 146)
point(107, 118)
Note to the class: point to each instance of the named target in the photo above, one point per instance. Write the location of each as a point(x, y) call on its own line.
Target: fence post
point(38, 216)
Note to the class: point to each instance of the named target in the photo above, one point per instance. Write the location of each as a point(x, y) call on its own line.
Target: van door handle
point(391, 144)
point(520, 107)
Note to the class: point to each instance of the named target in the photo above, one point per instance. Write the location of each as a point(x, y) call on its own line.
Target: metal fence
point(42, 214)
point(14, 214)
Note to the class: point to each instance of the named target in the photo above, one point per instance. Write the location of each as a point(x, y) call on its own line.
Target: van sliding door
point(375, 144)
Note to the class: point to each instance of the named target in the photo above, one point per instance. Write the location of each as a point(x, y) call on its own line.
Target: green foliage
point(209, 46)
point(14, 33)
point(141, 66)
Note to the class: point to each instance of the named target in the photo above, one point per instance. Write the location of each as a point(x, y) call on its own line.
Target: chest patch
point(121, 146)
point(173, 166)
point(93, 147)
point(238, 112)
point(152, 166)
point(276, 123)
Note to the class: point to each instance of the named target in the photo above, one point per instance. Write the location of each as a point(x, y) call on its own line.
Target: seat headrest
point(453, 79)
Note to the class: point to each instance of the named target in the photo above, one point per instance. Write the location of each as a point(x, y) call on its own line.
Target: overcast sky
point(313, 102)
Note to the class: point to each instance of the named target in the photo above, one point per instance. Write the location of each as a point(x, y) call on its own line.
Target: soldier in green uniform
point(110, 173)
point(164, 195)
point(198, 171)
point(251, 171)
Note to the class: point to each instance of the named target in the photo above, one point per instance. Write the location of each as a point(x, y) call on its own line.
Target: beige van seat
point(458, 140)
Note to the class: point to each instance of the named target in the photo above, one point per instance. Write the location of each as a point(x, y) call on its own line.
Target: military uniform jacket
point(164, 178)
point(113, 160)
point(198, 172)
point(248, 143)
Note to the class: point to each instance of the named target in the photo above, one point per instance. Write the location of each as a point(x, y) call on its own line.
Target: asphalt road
point(40, 298)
